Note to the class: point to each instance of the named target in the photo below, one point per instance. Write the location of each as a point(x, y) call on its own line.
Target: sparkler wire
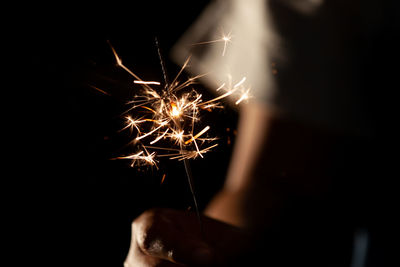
point(163, 68)
point(186, 163)
point(192, 190)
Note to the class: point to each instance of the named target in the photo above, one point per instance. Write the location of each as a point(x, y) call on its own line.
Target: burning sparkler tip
point(170, 115)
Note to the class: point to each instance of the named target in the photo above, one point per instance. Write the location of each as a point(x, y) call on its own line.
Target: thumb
point(174, 246)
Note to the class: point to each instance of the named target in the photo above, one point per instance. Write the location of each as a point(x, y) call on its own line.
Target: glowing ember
point(175, 112)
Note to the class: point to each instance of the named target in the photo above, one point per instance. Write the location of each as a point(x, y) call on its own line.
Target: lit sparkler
point(169, 116)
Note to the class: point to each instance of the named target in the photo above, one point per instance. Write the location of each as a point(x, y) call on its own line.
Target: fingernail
point(202, 255)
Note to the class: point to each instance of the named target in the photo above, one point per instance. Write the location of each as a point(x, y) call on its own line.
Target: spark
point(100, 90)
point(159, 137)
point(132, 123)
point(147, 82)
point(193, 154)
point(244, 96)
point(225, 38)
point(168, 115)
point(177, 136)
point(152, 131)
point(163, 178)
point(240, 82)
point(197, 135)
point(221, 86)
point(140, 157)
point(218, 98)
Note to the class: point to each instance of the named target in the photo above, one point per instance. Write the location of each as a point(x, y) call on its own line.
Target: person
point(297, 191)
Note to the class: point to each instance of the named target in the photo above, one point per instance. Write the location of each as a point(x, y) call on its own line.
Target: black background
point(68, 203)
point(75, 203)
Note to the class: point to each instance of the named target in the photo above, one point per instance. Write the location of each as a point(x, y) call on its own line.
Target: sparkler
point(169, 115)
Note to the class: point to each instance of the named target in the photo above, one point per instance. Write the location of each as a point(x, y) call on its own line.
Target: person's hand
point(164, 237)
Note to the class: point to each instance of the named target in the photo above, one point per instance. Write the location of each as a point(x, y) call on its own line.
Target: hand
point(164, 237)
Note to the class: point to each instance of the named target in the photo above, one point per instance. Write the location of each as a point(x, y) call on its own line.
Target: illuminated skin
point(273, 157)
point(164, 237)
point(170, 238)
point(252, 133)
point(167, 112)
point(249, 200)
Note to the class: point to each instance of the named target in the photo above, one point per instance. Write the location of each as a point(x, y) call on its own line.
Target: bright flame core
point(169, 116)
point(175, 112)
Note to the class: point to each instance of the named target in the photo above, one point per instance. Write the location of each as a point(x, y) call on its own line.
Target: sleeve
point(299, 57)
point(229, 42)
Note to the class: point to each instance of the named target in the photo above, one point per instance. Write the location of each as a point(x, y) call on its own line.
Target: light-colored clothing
point(297, 56)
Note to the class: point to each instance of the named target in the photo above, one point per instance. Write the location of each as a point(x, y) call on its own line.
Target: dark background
point(74, 199)
point(70, 204)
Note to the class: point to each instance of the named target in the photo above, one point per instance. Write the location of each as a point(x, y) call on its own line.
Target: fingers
point(137, 258)
point(156, 235)
point(148, 261)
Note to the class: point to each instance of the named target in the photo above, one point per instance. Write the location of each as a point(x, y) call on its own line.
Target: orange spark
point(197, 135)
point(147, 82)
point(163, 178)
